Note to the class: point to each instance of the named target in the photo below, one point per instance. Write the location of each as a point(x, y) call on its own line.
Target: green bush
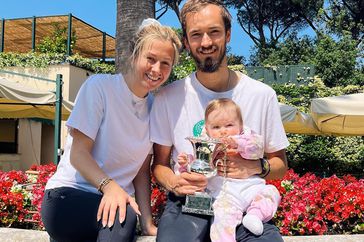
point(323, 155)
point(337, 61)
point(300, 95)
point(326, 155)
point(42, 60)
point(57, 41)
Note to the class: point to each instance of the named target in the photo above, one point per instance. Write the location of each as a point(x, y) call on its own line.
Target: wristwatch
point(265, 167)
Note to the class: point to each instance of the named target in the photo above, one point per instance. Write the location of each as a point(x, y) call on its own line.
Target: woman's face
point(153, 66)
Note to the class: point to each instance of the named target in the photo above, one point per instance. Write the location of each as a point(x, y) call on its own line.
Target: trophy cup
point(204, 149)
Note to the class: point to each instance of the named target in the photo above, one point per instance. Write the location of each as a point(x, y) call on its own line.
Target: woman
point(106, 158)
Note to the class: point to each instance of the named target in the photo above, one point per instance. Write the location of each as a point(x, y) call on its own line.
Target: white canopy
point(297, 122)
point(18, 101)
point(340, 115)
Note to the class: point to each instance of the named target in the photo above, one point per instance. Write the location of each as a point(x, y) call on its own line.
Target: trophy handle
point(219, 161)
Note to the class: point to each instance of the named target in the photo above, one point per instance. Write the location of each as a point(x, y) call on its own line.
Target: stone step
point(24, 235)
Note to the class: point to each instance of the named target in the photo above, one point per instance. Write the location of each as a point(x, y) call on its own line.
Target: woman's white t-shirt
point(118, 122)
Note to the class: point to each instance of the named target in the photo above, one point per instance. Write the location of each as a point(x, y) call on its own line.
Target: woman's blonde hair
point(220, 104)
point(145, 36)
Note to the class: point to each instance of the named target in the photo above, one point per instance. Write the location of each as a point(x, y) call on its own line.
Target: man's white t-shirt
point(118, 122)
point(178, 112)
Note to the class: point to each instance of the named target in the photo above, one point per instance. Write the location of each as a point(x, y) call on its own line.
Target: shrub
point(57, 41)
point(43, 60)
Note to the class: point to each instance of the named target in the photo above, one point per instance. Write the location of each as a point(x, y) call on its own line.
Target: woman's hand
point(188, 183)
point(114, 198)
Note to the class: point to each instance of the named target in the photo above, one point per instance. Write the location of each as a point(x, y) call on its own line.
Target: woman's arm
point(114, 197)
point(142, 193)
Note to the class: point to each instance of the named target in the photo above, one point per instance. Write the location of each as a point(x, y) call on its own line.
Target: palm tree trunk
point(130, 14)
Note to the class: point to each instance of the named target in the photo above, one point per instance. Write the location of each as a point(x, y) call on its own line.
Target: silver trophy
point(204, 151)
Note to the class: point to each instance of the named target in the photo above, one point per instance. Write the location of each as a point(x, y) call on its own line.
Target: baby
point(233, 197)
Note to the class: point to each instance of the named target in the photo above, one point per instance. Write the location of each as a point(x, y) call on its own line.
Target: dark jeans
point(182, 227)
point(70, 214)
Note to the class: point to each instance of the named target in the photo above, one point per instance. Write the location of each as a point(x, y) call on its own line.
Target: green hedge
point(41, 60)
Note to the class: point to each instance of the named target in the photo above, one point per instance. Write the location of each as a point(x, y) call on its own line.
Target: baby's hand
point(230, 142)
point(182, 159)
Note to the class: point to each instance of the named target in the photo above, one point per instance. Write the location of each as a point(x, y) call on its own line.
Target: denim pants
point(70, 214)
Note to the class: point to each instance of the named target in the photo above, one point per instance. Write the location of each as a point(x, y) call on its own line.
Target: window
point(8, 136)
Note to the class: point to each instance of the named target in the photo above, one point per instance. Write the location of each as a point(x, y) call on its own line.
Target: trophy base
point(199, 203)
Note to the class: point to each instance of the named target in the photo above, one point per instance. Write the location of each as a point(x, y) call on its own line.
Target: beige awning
point(18, 101)
point(89, 40)
point(297, 122)
point(340, 115)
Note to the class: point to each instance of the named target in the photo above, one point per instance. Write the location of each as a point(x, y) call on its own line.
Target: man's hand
point(238, 167)
point(188, 183)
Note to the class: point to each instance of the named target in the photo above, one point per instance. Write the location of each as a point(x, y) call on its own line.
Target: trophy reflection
point(204, 150)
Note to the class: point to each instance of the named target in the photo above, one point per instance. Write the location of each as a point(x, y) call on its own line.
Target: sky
point(102, 15)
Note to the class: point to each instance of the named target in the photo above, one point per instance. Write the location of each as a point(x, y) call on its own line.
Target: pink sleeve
point(250, 146)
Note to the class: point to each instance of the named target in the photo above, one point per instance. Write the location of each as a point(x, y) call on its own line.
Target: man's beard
point(209, 64)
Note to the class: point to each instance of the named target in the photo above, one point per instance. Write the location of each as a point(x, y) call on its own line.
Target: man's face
point(206, 38)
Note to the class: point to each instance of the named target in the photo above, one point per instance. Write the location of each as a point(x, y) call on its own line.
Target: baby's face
point(222, 123)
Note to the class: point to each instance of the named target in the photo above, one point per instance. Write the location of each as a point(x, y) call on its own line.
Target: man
point(178, 112)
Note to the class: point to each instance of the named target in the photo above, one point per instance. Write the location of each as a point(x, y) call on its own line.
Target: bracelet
point(265, 168)
point(103, 183)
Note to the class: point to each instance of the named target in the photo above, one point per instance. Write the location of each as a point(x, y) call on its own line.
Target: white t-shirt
point(178, 112)
point(118, 122)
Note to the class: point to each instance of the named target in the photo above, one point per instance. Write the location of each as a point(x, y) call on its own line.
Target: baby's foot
point(253, 224)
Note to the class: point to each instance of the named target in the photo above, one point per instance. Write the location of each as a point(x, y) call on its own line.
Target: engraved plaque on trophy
point(204, 148)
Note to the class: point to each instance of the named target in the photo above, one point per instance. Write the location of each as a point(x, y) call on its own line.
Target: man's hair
point(144, 37)
point(193, 6)
point(222, 103)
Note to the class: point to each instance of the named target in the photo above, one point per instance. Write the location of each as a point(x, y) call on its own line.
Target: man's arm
point(278, 164)
point(185, 183)
point(142, 193)
point(161, 166)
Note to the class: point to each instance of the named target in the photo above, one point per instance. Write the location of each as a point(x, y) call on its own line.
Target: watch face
point(265, 167)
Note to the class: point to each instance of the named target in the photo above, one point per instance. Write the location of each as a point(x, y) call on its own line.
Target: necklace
point(228, 81)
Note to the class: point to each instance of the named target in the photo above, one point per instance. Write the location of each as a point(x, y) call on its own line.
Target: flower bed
point(310, 205)
point(21, 195)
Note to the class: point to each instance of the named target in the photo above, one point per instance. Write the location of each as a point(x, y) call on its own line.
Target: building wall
point(47, 144)
point(29, 143)
point(36, 140)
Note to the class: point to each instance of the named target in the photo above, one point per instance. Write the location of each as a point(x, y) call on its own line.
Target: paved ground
point(22, 235)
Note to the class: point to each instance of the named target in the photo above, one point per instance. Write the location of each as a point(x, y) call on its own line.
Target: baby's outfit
point(233, 197)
